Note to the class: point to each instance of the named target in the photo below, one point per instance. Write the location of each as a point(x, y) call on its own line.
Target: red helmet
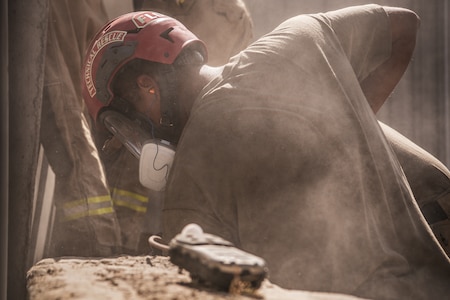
point(145, 35)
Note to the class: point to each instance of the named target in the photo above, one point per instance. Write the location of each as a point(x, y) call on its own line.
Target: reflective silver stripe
point(129, 200)
point(91, 206)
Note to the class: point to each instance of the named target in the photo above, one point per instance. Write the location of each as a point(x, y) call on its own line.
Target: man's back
point(283, 156)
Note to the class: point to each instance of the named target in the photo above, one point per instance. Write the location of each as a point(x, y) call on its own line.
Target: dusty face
point(149, 105)
point(148, 100)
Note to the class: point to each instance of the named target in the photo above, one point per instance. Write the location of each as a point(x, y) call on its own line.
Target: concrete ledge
point(136, 277)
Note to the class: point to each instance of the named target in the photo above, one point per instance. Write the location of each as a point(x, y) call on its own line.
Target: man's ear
point(147, 83)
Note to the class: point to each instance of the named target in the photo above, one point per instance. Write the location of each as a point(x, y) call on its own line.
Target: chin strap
point(170, 109)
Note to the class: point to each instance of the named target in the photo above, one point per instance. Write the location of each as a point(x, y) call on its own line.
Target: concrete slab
point(137, 277)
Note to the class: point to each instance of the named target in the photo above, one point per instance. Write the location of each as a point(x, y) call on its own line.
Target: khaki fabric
point(283, 156)
point(429, 180)
point(138, 208)
point(85, 222)
point(224, 25)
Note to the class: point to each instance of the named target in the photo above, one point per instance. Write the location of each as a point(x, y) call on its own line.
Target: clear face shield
point(155, 156)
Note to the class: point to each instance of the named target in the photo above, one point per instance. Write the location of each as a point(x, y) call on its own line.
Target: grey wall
point(27, 27)
point(4, 149)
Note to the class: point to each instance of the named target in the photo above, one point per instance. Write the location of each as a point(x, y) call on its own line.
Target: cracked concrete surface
point(136, 277)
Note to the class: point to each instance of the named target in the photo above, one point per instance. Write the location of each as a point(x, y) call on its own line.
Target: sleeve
point(198, 190)
point(364, 34)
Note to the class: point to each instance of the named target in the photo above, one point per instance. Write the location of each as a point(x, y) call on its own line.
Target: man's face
point(149, 105)
point(148, 100)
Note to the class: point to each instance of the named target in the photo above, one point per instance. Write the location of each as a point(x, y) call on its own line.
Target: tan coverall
point(429, 180)
point(85, 220)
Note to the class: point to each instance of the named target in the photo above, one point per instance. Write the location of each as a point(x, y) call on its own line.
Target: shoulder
point(338, 14)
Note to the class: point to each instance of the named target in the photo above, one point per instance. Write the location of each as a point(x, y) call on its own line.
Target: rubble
point(137, 277)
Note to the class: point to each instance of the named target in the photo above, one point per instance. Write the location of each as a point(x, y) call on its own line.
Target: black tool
point(213, 261)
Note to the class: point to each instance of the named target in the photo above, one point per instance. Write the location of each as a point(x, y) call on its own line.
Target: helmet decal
point(141, 20)
point(165, 35)
point(115, 55)
point(110, 37)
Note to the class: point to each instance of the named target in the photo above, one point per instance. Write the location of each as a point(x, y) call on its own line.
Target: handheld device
point(213, 261)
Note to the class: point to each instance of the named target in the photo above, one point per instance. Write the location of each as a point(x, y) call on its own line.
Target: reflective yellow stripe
point(92, 200)
point(95, 212)
point(137, 208)
point(129, 200)
point(124, 193)
point(92, 206)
